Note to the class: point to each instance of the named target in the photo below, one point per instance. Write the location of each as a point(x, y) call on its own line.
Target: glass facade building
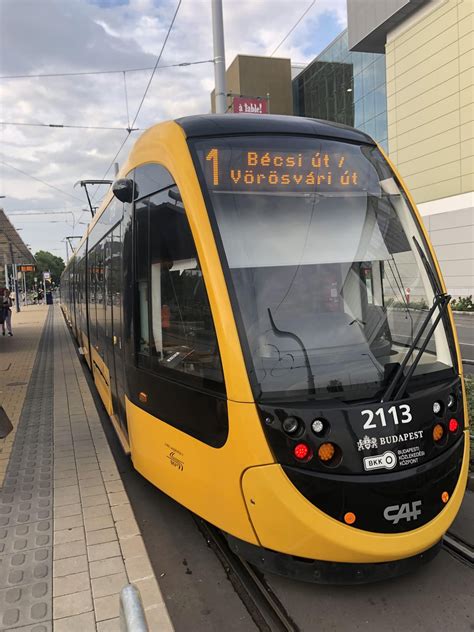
point(345, 87)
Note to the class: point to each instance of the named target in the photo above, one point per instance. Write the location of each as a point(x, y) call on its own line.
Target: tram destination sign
point(256, 170)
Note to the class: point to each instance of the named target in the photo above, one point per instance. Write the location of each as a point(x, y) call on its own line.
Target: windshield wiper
point(289, 334)
point(441, 301)
point(429, 270)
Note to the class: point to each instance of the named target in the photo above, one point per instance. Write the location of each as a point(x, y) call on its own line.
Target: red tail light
point(302, 452)
point(453, 425)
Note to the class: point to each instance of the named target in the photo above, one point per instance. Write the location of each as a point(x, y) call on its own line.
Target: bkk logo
point(406, 511)
point(385, 461)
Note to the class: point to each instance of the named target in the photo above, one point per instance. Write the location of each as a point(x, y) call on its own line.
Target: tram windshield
point(327, 281)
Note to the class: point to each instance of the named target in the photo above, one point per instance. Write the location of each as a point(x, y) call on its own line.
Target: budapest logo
point(385, 461)
point(367, 443)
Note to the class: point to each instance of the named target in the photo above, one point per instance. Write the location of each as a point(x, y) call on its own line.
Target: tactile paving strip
point(26, 505)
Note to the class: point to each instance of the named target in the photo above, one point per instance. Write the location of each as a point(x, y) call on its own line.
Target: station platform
point(69, 540)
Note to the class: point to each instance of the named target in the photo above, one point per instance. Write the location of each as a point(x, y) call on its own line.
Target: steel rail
point(264, 607)
point(460, 549)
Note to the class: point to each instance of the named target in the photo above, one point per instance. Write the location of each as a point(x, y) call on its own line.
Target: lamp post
point(219, 57)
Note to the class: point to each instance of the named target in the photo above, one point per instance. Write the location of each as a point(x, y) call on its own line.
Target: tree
point(46, 261)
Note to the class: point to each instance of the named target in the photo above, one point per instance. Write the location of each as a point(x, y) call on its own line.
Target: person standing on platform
point(6, 309)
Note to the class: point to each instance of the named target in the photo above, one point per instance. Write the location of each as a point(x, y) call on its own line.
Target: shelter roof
point(12, 244)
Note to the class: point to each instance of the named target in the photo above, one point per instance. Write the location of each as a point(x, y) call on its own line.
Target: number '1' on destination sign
point(271, 170)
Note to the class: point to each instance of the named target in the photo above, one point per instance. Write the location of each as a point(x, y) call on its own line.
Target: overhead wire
point(105, 72)
point(41, 211)
point(116, 156)
point(51, 186)
point(146, 90)
point(29, 216)
point(294, 26)
point(60, 126)
point(157, 62)
point(130, 127)
point(126, 99)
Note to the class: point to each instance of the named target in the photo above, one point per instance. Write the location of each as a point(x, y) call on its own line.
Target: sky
point(73, 36)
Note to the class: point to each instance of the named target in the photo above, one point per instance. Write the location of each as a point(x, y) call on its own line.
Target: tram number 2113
point(400, 414)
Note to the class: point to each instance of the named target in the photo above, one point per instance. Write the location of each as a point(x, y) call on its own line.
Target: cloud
point(54, 36)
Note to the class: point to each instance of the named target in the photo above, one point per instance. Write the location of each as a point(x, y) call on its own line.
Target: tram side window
point(176, 330)
point(100, 297)
point(82, 282)
point(92, 298)
point(142, 247)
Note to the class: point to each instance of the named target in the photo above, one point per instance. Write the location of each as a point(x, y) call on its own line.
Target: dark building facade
point(345, 87)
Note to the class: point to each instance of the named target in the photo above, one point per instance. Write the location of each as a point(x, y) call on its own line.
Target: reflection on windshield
point(330, 289)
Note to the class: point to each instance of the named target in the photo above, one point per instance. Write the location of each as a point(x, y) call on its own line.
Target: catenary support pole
point(17, 291)
point(219, 56)
point(14, 279)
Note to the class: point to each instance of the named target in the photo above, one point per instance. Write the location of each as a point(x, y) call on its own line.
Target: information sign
point(245, 105)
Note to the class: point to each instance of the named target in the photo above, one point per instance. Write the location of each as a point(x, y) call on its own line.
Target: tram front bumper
point(286, 522)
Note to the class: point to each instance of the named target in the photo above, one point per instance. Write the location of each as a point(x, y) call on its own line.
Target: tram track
point(266, 610)
point(459, 549)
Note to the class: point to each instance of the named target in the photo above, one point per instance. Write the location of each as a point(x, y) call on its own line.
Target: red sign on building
point(244, 105)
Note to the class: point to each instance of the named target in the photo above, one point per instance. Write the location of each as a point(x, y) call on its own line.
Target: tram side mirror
point(175, 195)
point(123, 190)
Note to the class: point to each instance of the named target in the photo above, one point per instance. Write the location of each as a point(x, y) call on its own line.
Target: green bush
point(421, 304)
point(463, 304)
point(469, 383)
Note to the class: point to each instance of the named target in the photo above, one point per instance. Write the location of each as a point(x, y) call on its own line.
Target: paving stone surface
point(18, 355)
point(67, 529)
point(26, 521)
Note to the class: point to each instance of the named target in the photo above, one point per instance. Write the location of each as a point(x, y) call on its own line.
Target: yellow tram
point(241, 300)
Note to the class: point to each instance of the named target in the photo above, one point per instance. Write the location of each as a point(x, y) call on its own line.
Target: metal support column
point(15, 284)
point(23, 274)
point(219, 57)
point(15, 280)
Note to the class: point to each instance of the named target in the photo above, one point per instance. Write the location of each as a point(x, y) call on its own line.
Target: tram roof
point(219, 124)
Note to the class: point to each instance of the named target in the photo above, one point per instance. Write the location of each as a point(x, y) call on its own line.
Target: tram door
point(117, 379)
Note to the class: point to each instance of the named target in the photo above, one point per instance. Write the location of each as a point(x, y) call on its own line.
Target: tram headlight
point(437, 408)
point(451, 402)
point(318, 426)
point(291, 425)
